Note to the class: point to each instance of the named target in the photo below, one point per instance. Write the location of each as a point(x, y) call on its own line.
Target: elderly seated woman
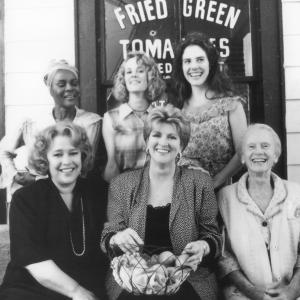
point(261, 213)
point(55, 224)
point(166, 206)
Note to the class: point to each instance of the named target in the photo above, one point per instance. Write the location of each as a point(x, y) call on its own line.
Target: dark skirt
point(22, 293)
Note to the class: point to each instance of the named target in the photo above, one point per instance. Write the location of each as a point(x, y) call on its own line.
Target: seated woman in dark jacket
point(55, 224)
point(166, 206)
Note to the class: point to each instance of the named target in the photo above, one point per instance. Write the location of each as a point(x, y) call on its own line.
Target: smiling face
point(135, 76)
point(65, 89)
point(163, 143)
point(195, 65)
point(259, 151)
point(64, 161)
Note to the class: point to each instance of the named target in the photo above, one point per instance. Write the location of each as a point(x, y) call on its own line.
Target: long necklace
point(83, 234)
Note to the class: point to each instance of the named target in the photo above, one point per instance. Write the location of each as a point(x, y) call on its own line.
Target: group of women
point(165, 166)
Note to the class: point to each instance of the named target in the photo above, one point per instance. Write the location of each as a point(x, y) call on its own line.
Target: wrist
point(74, 290)
point(206, 248)
point(112, 241)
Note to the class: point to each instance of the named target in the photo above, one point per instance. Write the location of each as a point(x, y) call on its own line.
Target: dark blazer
point(192, 217)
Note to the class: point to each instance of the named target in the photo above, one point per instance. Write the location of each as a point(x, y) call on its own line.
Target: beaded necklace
point(83, 234)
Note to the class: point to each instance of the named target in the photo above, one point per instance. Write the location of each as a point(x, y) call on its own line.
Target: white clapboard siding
point(293, 145)
point(36, 31)
point(28, 85)
point(290, 20)
point(291, 42)
point(17, 4)
point(294, 173)
point(293, 116)
point(34, 56)
point(292, 83)
point(291, 50)
point(44, 19)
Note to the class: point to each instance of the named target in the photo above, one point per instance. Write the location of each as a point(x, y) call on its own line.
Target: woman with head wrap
point(63, 82)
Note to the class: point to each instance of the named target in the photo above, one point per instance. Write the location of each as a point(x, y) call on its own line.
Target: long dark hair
point(218, 81)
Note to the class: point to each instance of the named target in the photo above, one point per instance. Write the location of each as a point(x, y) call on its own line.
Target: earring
point(178, 156)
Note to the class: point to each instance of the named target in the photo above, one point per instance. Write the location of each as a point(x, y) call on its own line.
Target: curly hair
point(169, 115)
point(218, 81)
point(38, 156)
point(259, 127)
point(156, 86)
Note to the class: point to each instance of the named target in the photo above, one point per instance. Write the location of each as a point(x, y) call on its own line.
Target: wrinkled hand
point(127, 240)
point(24, 178)
point(197, 250)
point(280, 291)
point(80, 293)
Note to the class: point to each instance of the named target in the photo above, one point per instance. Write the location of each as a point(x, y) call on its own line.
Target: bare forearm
point(48, 274)
point(228, 171)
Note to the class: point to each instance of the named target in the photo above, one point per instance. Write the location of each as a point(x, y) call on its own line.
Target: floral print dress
point(211, 145)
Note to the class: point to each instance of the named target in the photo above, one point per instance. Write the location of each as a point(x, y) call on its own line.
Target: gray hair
point(260, 126)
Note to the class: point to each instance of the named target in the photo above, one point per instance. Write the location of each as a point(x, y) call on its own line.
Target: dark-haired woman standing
point(206, 98)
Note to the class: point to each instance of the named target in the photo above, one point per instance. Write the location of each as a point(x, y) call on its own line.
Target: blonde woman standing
point(137, 84)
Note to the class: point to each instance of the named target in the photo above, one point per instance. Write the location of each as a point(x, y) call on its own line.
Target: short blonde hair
point(38, 157)
point(169, 115)
point(258, 127)
point(156, 86)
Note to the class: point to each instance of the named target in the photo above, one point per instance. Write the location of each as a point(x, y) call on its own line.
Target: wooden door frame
point(2, 106)
point(271, 89)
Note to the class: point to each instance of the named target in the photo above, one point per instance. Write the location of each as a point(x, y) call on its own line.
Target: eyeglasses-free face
point(65, 161)
point(195, 65)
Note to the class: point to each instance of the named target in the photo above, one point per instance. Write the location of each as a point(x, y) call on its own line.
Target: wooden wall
point(291, 43)
point(36, 31)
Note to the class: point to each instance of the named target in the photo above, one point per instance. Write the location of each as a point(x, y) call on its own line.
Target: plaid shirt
point(129, 139)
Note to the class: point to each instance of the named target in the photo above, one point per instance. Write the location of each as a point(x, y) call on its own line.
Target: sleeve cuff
point(212, 248)
point(226, 265)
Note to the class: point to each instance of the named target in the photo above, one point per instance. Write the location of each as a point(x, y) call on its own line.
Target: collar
point(125, 110)
point(274, 207)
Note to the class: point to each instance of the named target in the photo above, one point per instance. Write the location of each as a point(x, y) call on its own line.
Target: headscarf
point(56, 65)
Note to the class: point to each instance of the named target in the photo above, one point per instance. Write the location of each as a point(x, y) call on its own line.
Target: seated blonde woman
point(55, 223)
point(261, 213)
point(166, 206)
